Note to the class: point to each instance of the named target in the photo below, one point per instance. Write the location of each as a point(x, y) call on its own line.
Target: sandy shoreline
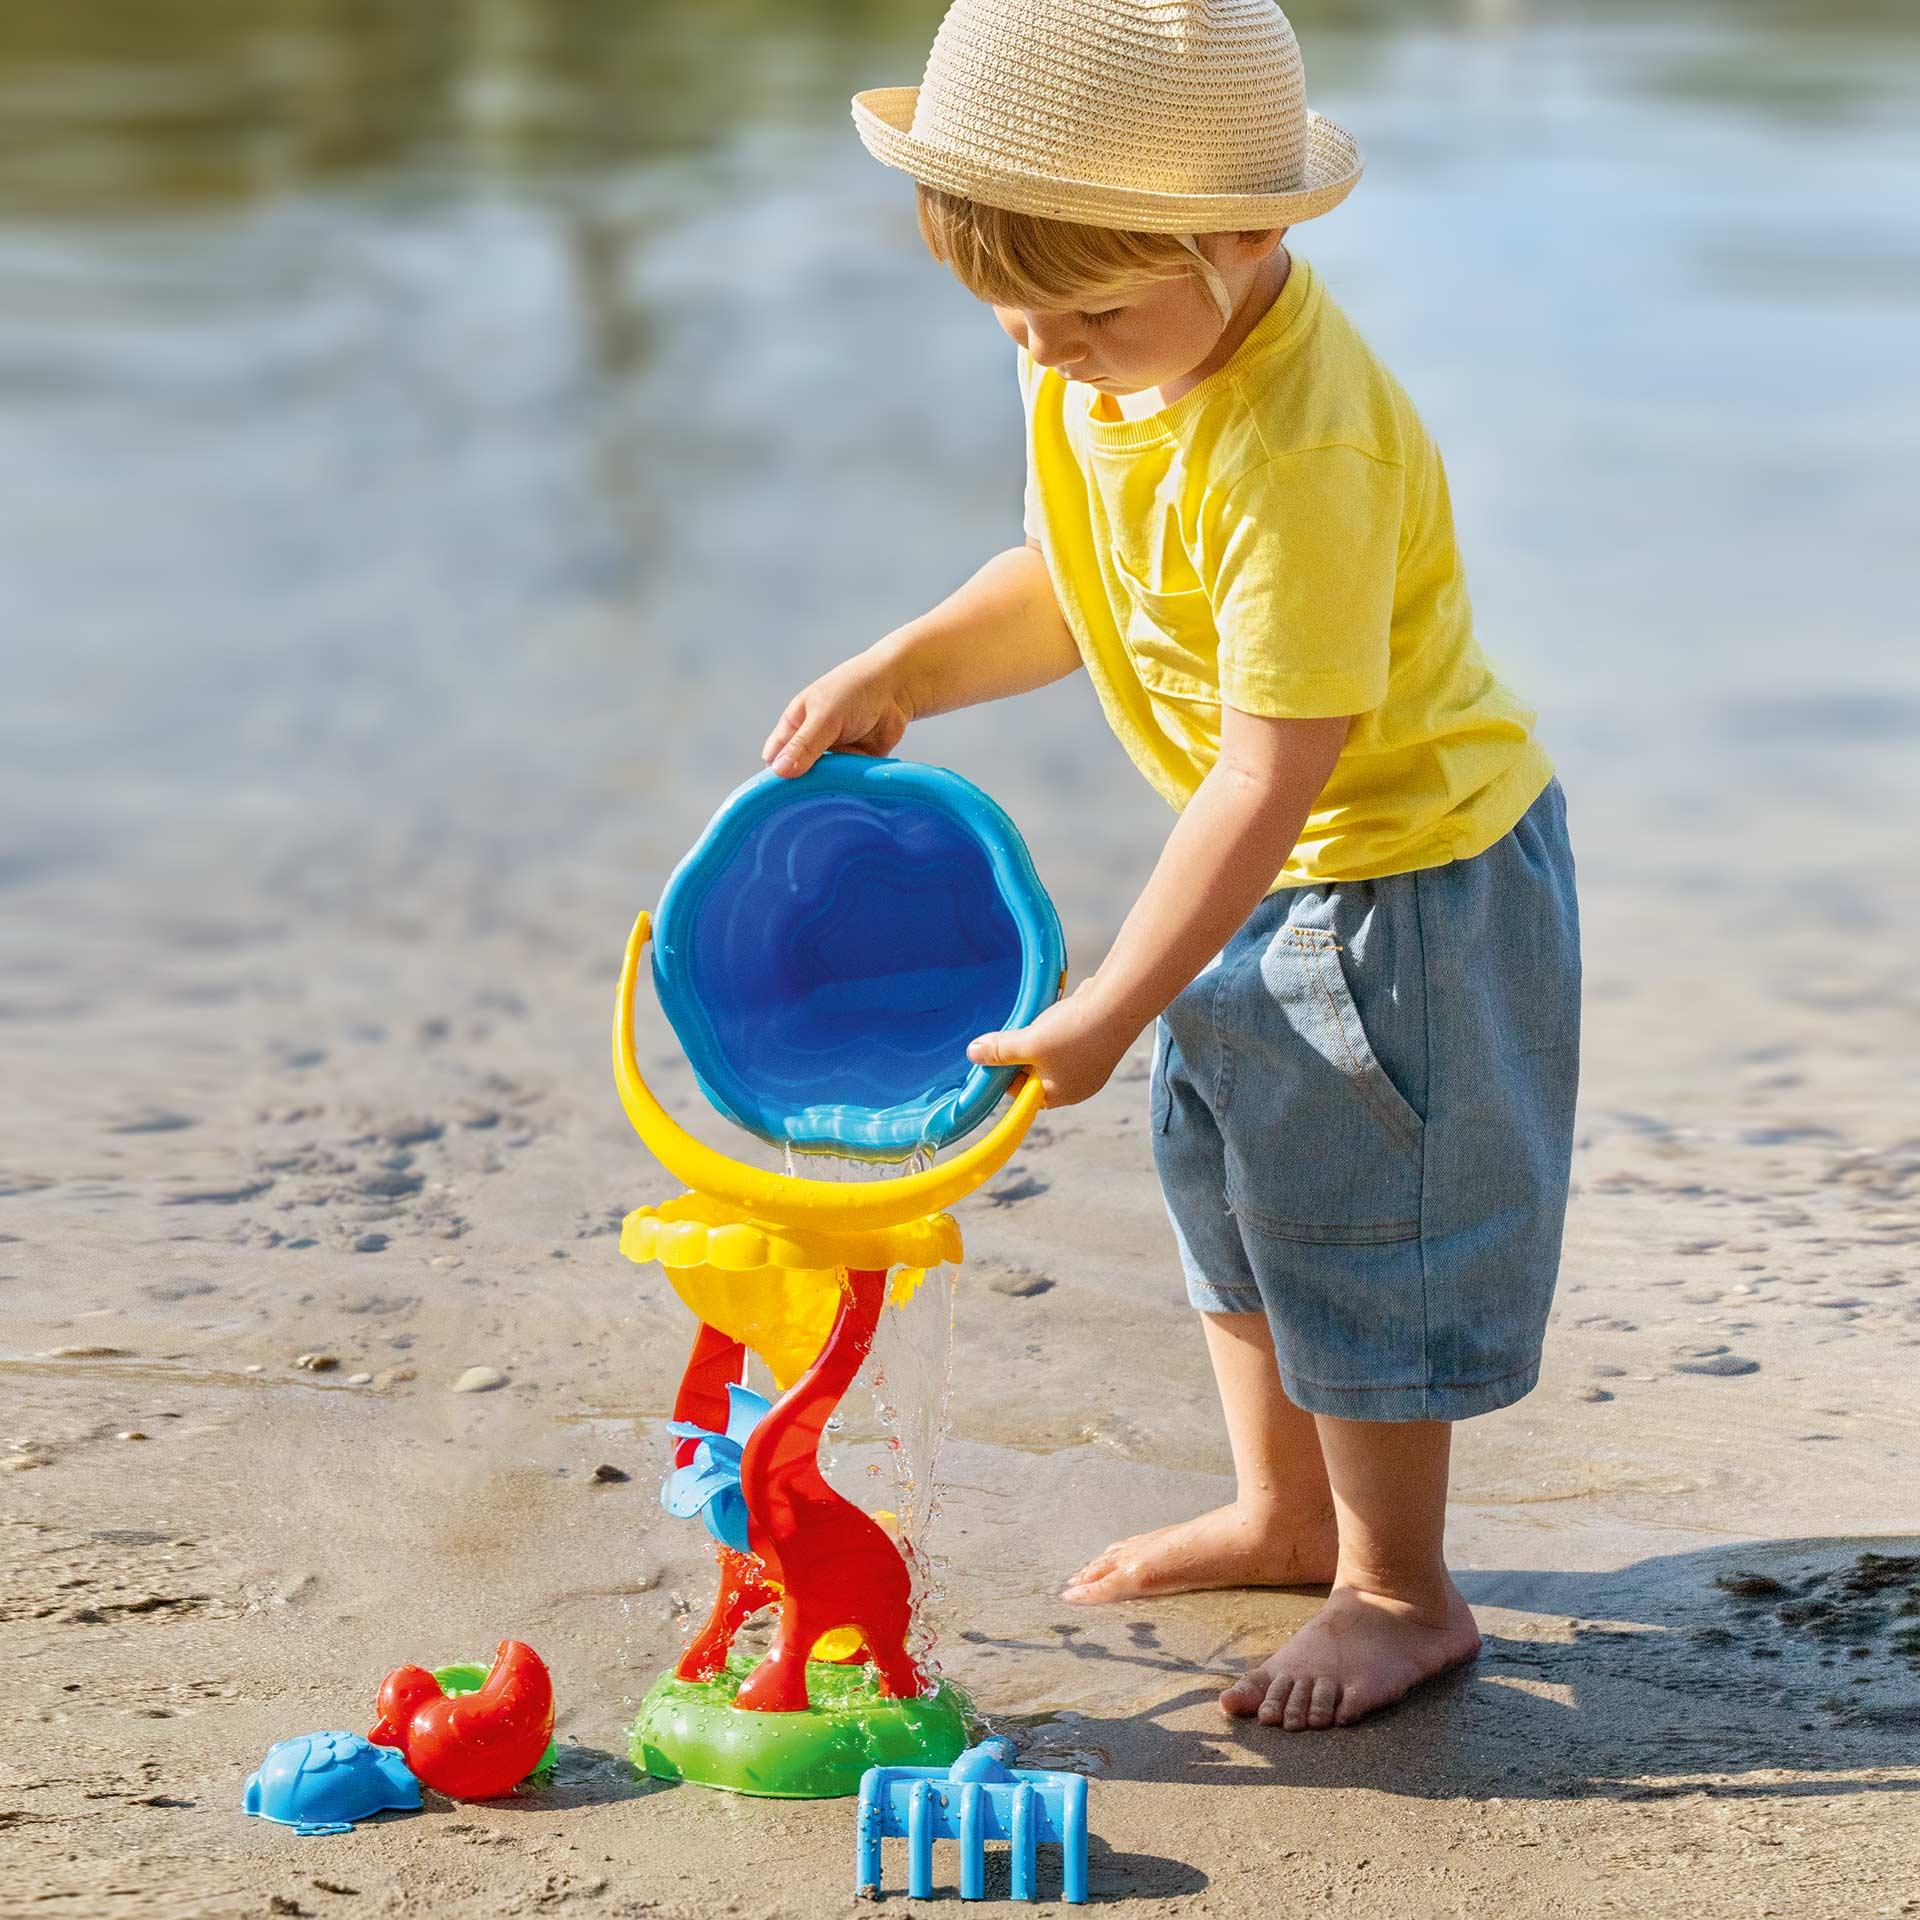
point(409, 545)
point(403, 1152)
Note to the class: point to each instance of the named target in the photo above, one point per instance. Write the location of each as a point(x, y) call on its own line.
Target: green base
point(469, 1676)
point(691, 1730)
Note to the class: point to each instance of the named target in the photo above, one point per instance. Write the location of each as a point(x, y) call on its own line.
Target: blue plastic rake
point(979, 1798)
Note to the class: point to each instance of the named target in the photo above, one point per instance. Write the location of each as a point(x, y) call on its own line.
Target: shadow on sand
point(1712, 1672)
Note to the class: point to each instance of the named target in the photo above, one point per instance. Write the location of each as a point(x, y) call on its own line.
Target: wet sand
point(1689, 1548)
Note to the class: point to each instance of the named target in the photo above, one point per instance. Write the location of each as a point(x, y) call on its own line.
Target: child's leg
point(1279, 1530)
point(1394, 1617)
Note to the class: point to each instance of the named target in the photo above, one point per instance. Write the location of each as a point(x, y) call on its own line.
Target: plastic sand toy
point(824, 954)
point(471, 1733)
point(981, 1797)
point(324, 1782)
point(469, 1676)
point(831, 945)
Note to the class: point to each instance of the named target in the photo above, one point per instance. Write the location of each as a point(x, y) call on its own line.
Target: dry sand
point(250, 1134)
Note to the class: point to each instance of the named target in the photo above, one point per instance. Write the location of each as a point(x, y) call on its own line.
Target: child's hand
point(1073, 1047)
point(857, 708)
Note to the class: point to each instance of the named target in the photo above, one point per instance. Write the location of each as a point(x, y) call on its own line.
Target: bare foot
point(1229, 1547)
point(1360, 1652)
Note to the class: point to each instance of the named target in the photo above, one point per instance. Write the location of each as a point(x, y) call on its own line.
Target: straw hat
point(1163, 116)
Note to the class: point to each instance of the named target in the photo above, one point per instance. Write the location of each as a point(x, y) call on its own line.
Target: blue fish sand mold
point(324, 1782)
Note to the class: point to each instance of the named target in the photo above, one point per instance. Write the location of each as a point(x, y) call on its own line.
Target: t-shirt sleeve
point(1304, 553)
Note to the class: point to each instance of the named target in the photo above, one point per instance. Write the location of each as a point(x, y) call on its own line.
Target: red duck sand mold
point(473, 1746)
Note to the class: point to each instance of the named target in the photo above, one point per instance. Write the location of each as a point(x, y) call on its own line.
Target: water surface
point(436, 441)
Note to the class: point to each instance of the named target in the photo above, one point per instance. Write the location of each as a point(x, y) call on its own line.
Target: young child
point(1361, 938)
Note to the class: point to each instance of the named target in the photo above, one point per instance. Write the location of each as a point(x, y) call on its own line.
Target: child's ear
point(1257, 244)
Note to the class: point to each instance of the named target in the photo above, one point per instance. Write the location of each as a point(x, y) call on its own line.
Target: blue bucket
point(831, 945)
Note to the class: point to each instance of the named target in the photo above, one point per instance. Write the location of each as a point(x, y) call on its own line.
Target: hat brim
point(884, 117)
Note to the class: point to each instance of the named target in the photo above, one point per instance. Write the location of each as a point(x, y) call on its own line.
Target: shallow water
point(436, 444)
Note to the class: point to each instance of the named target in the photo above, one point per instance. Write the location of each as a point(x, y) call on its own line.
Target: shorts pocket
point(1160, 1092)
point(1322, 1145)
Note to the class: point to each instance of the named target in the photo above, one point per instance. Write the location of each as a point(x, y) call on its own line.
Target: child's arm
point(1002, 633)
point(1219, 860)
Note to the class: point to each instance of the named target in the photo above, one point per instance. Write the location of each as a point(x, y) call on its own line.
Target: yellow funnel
point(824, 1204)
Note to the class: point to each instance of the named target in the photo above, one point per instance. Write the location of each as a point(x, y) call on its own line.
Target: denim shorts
point(1363, 1122)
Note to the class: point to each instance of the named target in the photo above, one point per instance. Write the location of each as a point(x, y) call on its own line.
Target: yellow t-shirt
point(1280, 538)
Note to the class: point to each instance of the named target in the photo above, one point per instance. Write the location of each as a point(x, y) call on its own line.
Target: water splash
point(910, 1378)
point(798, 1163)
point(901, 1396)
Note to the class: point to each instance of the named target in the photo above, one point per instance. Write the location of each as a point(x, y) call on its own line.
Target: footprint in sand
point(393, 1184)
point(169, 1291)
point(1019, 1283)
point(1019, 1185)
point(154, 1120)
point(216, 1196)
point(1715, 1362)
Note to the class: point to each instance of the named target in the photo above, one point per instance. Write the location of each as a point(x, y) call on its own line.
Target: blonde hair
point(1022, 260)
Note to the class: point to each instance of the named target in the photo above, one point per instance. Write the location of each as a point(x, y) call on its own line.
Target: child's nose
point(1052, 339)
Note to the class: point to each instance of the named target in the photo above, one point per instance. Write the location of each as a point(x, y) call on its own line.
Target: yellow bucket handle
point(780, 1197)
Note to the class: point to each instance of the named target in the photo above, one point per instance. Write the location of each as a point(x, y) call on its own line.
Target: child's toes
point(1324, 1702)
point(1354, 1705)
point(1096, 1569)
point(1300, 1704)
point(1277, 1705)
point(1360, 1699)
point(1245, 1695)
point(1099, 1580)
